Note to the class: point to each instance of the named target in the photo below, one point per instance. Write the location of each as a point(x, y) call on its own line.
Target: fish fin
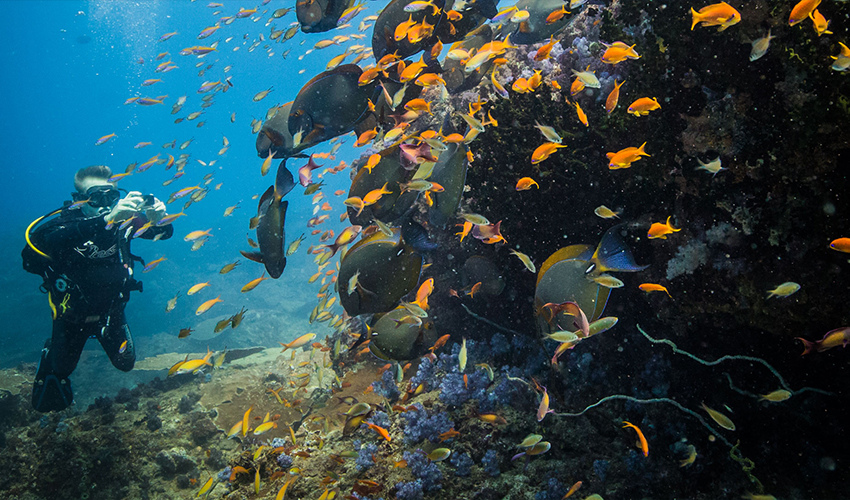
point(613, 255)
point(696, 18)
point(808, 346)
point(283, 182)
point(254, 256)
point(265, 200)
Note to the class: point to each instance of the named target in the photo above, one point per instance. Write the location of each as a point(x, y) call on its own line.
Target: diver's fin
point(49, 392)
point(613, 255)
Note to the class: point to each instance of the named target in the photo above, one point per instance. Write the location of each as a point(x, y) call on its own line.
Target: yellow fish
point(776, 396)
point(300, 341)
point(206, 306)
point(721, 419)
point(196, 288)
point(784, 290)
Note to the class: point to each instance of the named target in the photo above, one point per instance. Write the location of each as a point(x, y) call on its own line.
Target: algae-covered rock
point(174, 461)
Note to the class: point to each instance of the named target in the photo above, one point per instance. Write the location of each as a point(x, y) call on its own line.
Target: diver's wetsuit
point(88, 280)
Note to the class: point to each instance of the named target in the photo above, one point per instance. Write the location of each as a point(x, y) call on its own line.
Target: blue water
point(69, 66)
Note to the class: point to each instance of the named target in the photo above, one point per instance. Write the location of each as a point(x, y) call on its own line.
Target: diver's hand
point(126, 208)
point(156, 211)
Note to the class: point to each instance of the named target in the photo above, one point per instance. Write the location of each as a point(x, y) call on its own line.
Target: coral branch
point(650, 401)
point(728, 357)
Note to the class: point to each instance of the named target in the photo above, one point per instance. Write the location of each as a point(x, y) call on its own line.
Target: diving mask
point(100, 196)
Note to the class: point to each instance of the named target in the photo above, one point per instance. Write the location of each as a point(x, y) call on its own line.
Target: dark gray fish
point(274, 136)
point(383, 32)
point(270, 233)
point(317, 16)
point(388, 269)
point(331, 104)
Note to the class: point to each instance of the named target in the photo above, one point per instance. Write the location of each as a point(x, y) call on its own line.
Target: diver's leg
point(112, 338)
point(51, 390)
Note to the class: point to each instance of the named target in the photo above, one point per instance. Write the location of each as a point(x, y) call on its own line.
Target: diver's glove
point(126, 208)
point(156, 211)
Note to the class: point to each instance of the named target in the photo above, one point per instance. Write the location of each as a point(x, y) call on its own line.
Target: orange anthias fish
point(618, 52)
point(366, 137)
point(625, 157)
point(659, 230)
point(719, 14)
point(374, 195)
point(451, 433)
point(572, 490)
point(802, 10)
point(544, 51)
point(525, 184)
point(467, 227)
point(380, 430)
point(576, 87)
point(613, 97)
point(833, 338)
point(544, 151)
point(418, 104)
point(841, 245)
point(654, 287)
point(425, 291)
point(557, 15)
point(642, 106)
point(821, 24)
point(644, 446)
point(440, 342)
point(582, 117)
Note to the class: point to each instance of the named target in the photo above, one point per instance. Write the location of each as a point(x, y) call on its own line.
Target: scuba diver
point(84, 257)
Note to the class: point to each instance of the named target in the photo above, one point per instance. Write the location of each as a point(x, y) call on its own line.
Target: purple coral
point(284, 461)
point(424, 470)
point(387, 387)
point(462, 462)
point(380, 419)
point(499, 345)
point(424, 375)
point(409, 490)
point(365, 455)
point(491, 463)
point(224, 475)
point(420, 425)
point(454, 391)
